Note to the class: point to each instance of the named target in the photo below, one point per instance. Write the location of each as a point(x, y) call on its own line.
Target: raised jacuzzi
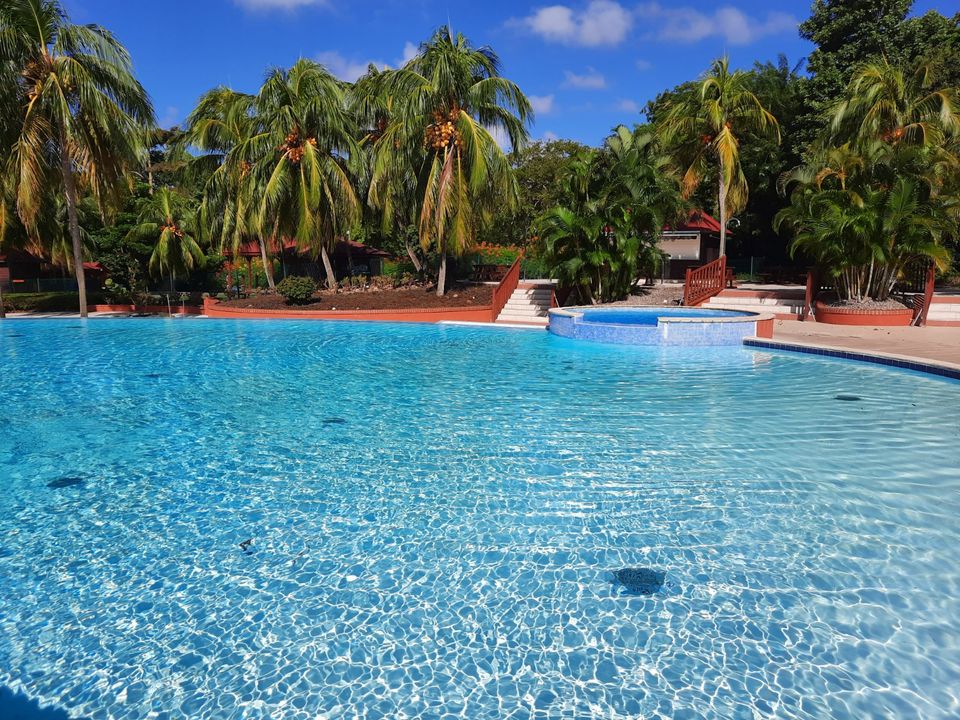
point(659, 326)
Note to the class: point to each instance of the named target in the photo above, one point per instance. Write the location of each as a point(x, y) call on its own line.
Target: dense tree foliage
point(602, 239)
point(881, 189)
point(431, 159)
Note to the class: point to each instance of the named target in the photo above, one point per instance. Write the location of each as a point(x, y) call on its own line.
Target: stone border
point(904, 362)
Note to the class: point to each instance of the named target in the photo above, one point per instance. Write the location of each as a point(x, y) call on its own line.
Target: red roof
point(95, 266)
point(699, 220)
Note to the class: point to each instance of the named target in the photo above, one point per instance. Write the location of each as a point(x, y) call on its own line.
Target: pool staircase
point(529, 304)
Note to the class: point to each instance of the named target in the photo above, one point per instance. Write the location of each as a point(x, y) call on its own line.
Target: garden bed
point(882, 314)
point(391, 299)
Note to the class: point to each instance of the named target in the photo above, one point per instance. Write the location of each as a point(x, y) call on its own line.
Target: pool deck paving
point(940, 345)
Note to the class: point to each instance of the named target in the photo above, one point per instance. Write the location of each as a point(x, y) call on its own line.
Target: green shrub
point(49, 302)
point(296, 290)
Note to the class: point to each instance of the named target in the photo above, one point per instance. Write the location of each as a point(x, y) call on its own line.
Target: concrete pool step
point(528, 305)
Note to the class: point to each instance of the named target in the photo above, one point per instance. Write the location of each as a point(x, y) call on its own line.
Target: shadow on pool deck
point(16, 706)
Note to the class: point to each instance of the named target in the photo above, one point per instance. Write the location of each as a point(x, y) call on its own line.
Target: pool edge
point(904, 362)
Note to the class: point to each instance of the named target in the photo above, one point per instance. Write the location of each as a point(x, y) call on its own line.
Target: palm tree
point(229, 210)
point(84, 123)
point(372, 106)
point(299, 159)
point(446, 102)
point(898, 106)
point(707, 125)
point(168, 222)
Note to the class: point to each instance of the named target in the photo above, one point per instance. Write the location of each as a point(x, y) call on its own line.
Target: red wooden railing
point(921, 302)
point(704, 282)
point(505, 289)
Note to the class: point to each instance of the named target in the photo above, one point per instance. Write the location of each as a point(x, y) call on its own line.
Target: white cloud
point(550, 136)
point(542, 104)
point(644, 65)
point(601, 22)
point(630, 106)
point(685, 24)
point(278, 4)
point(410, 51)
point(590, 80)
point(345, 68)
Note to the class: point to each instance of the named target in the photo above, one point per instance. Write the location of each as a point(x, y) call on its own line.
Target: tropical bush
point(603, 241)
point(881, 191)
point(297, 290)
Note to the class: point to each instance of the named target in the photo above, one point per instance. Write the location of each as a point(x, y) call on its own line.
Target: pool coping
point(905, 362)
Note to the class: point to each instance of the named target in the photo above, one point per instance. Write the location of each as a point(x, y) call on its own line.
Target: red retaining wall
point(176, 308)
point(213, 308)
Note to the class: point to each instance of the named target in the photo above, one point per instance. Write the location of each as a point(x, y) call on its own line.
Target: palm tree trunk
point(417, 265)
point(723, 215)
point(442, 277)
point(267, 265)
point(328, 268)
point(70, 187)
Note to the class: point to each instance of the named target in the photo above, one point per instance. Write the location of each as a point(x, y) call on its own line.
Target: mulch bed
point(868, 305)
point(393, 299)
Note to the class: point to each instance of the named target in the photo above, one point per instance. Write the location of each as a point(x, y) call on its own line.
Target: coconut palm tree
point(300, 158)
point(229, 209)
point(446, 104)
point(84, 123)
point(168, 222)
point(372, 105)
point(705, 126)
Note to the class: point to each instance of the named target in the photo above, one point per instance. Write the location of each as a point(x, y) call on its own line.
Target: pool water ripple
point(450, 549)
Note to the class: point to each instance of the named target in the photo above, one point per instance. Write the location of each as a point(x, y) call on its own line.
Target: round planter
point(897, 317)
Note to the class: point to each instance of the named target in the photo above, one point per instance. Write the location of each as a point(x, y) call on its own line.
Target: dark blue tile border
point(916, 365)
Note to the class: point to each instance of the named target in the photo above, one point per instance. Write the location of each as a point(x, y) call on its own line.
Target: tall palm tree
point(229, 210)
point(447, 102)
point(299, 159)
point(83, 125)
point(372, 104)
point(168, 222)
point(705, 128)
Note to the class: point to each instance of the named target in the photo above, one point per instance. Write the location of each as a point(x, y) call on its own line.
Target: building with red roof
point(690, 244)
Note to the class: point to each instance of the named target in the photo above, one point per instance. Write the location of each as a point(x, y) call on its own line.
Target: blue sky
point(587, 66)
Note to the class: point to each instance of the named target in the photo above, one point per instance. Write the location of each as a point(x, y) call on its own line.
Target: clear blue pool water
point(437, 514)
point(650, 315)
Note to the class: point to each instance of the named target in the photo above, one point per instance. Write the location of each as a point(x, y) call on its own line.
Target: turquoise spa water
point(650, 316)
point(216, 519)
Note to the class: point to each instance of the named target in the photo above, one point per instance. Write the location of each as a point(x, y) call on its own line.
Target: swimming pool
point(437, 515)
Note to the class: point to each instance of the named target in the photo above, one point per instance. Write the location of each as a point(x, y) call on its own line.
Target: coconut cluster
point(442, 132)
point(177, 232)
point(292, 146)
